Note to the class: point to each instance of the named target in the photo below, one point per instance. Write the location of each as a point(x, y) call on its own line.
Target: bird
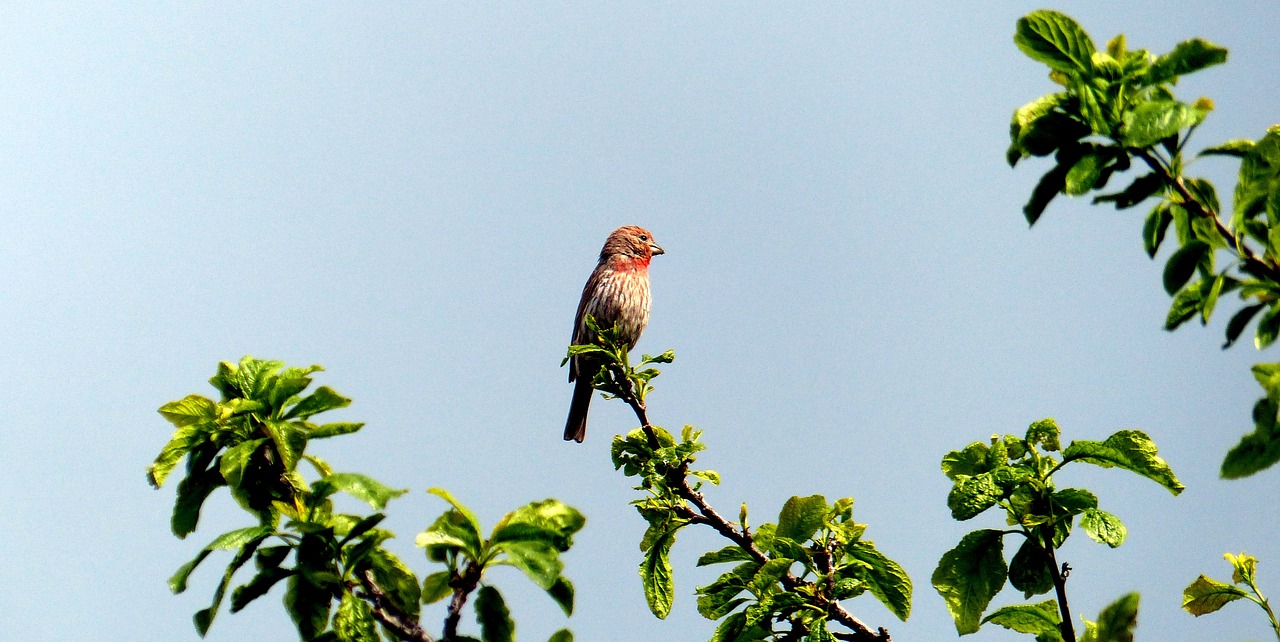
point(616, 293)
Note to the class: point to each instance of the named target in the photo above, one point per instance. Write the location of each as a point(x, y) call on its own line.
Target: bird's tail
point(576, 427)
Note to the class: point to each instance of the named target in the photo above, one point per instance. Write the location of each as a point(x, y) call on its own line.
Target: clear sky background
point(412, 195)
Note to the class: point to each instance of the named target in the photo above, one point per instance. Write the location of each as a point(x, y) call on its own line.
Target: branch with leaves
point(251, 442)
point(791, 576)
point(1016, 474)
point(1117, 111)
point(1206, 595)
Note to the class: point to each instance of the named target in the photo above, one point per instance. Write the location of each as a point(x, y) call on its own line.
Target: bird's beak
point(656, 249)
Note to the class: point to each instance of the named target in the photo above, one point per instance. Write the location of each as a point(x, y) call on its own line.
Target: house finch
point(616, 294)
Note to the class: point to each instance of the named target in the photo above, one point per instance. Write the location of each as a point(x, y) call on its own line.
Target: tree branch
point(1203, 210)
point(1067, 627)
point(466, 582)
point(677, 479)
point(386, 612)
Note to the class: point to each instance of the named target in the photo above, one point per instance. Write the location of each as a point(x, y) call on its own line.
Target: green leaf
point(324, 398)
point(969, 575)
point(1239, 321)
point(471, 518)
point(1182, 265)
point(1073, 501)
point(1237, 147)
point(970, 461)
point(290, 441)
point(1116, 622)
point(1244, 567)
point(548, 520)
point(436, 587)
point(970, 496)
point(493, 616)
point(1046, 434)
point(717, 599)
point(1184, 307)
point(258, 586)
point(1142, 188)
point(246, 379)
point(1257, 450)
point(308, 605)
point(655, 575)
point(1259, 170)
point(246, 540)
point(562, 592)
point(184, 439)
point(801, 517)
point(1103, 527)
point(1186, 57)
point(1030, 570)
point(726, 554)
point(363, 488)
point(1131, 450)
point(884, 578)
point(354, 620)
point(1040, 619)
point(442, 539)
point(1040, 127)
point(539, 560)
point(192, 409)
point(1268, 327)
point(235, 458)
point(1155, 120)
point(1055, 40)
point(768, 575)
point(1153, 230)
point(1211, 299)
point(192, 491)
point(397, 581)
point(1083, 175)
point(1206, 595)
point(333, 430)
point(563, 635)
point(1050, 185)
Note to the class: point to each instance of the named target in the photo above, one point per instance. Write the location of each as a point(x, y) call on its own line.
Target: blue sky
point(412, 195)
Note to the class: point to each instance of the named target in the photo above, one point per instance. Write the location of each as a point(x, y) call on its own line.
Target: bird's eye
point(644, 237)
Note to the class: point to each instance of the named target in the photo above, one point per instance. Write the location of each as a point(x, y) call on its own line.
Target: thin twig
point(386, 612)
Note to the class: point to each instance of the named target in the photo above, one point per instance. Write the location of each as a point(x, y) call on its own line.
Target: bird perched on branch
point(617, 293)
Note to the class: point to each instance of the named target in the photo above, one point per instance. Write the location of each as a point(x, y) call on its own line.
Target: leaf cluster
point(1207, 595)
point(530, 538)
point(1117, 109)
point(792, 573)
point(342, 585)
point(251, 440)
point(1016, 475)
point(814, 556)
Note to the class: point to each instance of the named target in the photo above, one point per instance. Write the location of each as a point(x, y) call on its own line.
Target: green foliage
point(1206, 595)
point(1117, 108)
point(1016, 475)
point(530, 538)
point(1115, 623)
point(340, 581)
point(789, 576)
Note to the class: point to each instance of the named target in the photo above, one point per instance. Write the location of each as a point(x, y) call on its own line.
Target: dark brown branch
point(1059, 586)
point(1202, 210)
point(463, 585)
point(678, 481)
point(386, 612)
